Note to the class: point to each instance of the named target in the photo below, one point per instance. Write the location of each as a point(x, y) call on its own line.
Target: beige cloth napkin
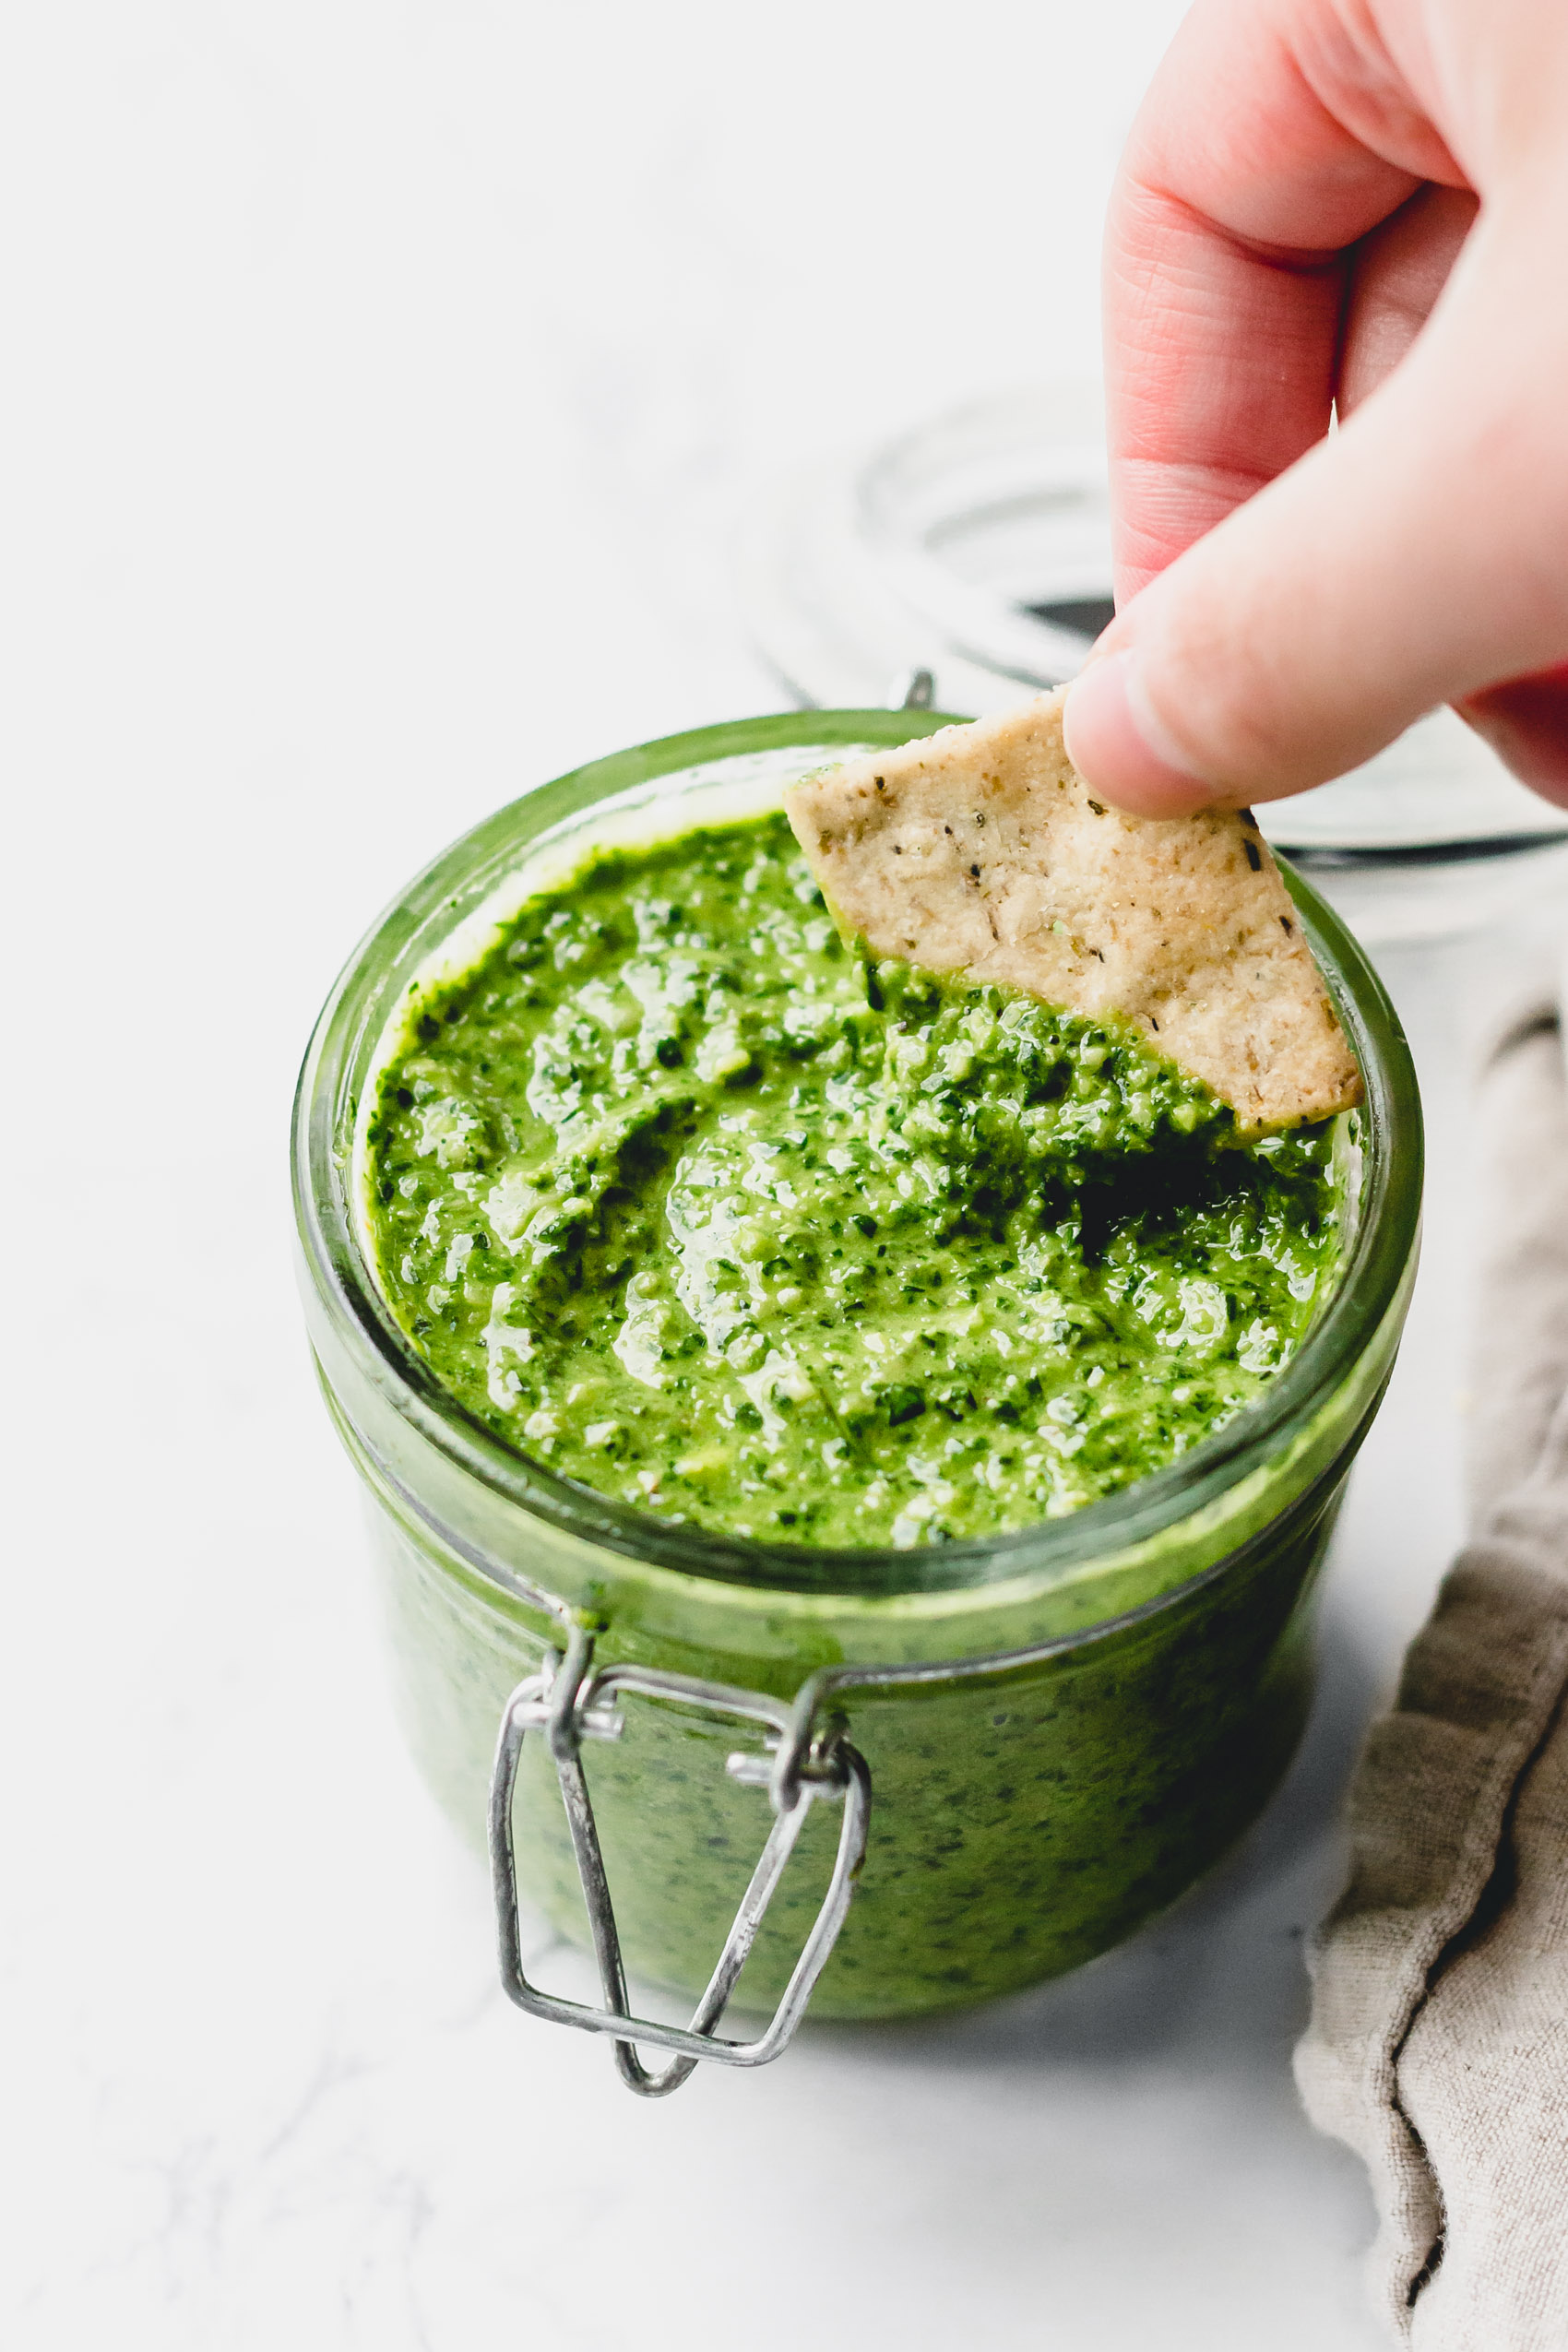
point(1438, 2046)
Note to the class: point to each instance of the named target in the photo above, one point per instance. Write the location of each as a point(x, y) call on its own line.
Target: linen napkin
point(1438, 2046)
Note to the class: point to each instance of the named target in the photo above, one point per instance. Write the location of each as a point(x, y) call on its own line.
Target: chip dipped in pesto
point(693, 1203)
point(981, 852)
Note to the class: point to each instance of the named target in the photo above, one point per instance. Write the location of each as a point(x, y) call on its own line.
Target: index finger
point(1264, 150)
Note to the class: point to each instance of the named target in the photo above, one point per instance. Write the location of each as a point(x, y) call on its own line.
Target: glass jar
point(1059, 1728)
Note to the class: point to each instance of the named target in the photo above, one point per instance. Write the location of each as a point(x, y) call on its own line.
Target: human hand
point(1363, 202)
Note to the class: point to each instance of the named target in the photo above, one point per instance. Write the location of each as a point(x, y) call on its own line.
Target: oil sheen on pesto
point(686, 1203)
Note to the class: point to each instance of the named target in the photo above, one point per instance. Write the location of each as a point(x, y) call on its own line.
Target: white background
point(381, 386)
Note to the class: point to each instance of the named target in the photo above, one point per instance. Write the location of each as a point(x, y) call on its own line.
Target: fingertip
point(1119, 747)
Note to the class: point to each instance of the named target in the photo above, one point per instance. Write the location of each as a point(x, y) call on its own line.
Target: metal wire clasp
point(569, 1701)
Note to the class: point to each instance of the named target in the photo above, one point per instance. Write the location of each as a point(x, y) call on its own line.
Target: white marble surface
point(384, 382)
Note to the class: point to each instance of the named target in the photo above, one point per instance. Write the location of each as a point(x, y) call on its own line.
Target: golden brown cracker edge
point(981, 850)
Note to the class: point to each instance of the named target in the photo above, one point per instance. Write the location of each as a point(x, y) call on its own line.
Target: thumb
point(1419, 556)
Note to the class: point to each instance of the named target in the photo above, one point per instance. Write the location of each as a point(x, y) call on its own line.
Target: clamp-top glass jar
point(1033, 1741)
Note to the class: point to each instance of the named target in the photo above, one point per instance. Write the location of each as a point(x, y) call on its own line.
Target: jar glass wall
point(1023, 1817)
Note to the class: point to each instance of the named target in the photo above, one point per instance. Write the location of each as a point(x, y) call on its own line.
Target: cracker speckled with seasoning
point(980, 850)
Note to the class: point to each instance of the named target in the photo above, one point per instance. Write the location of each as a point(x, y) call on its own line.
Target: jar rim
point(337, 1269)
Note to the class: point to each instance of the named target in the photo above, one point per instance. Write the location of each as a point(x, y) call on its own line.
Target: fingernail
point(1118, 744)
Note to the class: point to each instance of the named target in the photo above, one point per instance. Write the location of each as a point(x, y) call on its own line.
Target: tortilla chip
point(978, 850)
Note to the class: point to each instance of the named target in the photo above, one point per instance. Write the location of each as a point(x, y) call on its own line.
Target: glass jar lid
point(977, 546)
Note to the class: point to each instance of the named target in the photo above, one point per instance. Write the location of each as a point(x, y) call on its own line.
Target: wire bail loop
point(799, 1763)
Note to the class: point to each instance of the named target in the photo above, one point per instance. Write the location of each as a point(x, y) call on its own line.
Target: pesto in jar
point(684, 1200)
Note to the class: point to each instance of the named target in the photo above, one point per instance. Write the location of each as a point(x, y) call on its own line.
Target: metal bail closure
point(570, 1703)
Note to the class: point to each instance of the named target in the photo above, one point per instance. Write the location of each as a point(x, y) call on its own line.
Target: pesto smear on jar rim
point(686, 1200)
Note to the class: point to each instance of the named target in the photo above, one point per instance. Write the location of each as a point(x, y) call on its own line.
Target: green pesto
point(684, 1200)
